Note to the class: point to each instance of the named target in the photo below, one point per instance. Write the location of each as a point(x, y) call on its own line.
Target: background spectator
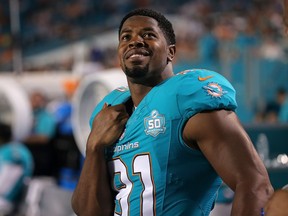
point(16, 167)
point(40, 139)
point(283, 112)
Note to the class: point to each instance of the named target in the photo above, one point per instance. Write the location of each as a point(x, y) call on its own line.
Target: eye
point(125, 37)
point(149, 35)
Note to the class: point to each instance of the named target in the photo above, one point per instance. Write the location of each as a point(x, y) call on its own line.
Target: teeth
point(136, 55)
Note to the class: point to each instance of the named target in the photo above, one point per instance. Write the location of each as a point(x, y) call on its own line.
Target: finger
point(120, 107)
point(124, 120)
point(106, 105)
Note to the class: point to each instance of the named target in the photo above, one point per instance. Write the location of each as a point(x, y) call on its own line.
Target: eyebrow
point(128, 30)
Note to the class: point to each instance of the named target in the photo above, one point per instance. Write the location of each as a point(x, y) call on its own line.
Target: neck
point(138, 92)
point(140, 87)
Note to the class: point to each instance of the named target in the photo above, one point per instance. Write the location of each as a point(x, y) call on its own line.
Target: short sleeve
point(204, 90)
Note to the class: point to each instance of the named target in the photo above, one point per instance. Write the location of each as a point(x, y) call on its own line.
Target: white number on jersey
point(141, 166)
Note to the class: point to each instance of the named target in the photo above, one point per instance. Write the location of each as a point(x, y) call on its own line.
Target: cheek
point(163, 55)
point(120, 56)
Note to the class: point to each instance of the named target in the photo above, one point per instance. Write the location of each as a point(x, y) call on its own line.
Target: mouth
point(137, 54)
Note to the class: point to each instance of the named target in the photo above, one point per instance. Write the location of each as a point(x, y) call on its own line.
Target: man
point(16, 165)
point(39, 140)
point(165, 141)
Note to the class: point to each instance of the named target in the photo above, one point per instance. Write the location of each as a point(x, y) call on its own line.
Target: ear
point(171, 52)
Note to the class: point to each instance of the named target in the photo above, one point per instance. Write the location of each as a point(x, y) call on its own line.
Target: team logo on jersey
point(154, 124)
point(214, 90)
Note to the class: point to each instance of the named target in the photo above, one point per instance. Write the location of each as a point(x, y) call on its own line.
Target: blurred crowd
point(46, 159)
point(244, 40)
point(46, 24)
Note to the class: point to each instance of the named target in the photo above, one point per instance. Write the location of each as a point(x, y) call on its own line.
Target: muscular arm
point(226, 145)
point(93, 195)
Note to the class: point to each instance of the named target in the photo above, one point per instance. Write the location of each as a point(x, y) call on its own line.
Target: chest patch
point(154, 124)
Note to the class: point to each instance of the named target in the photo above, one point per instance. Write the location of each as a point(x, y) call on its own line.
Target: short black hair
point(164, 24)
point(5, 132)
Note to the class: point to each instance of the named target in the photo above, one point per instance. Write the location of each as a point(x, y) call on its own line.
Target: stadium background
point(241, 39)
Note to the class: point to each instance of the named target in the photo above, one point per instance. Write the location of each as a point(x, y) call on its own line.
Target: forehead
point(140, 22)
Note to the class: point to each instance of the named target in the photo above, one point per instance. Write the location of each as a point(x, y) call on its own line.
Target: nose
point(136, 41)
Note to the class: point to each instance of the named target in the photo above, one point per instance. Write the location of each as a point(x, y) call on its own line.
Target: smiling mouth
point(136, 54)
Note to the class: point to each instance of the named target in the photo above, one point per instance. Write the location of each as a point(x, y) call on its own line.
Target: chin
point(136, 71)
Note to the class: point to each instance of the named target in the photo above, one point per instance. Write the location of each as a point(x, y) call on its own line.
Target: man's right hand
point(107, 127)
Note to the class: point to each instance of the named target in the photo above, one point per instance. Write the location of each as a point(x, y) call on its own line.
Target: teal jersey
point(17, 154)
point(153, 171)
point(44, 123)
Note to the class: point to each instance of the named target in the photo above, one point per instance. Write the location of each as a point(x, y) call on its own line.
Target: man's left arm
point(228, 148)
